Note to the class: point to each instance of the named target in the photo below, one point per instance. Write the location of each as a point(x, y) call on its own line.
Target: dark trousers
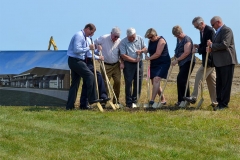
point(182, 80)
point(224, 77)
point(101, 87)
point(79, 69)
point(130, 77)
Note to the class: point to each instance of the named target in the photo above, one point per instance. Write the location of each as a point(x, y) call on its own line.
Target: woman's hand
point(174, 62)
point(147, 58)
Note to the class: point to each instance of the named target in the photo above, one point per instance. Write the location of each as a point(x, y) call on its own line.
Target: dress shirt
point(89, 52)
point(78, 46)
point(110, 49)
point(218, 29)
point(216, 33)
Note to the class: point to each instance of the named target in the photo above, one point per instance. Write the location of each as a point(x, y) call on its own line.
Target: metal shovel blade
point(200, 103)
point(155, 105)
point(100, 107)
point(146, 105)
point(183, 104)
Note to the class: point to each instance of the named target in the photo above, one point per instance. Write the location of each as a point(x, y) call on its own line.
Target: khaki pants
point(211, 82)
point(114, 72)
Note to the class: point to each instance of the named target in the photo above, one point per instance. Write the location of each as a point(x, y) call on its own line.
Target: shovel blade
point(159, 105)
point(200, 103)
point(155, 105)
point(145, 105)
point(100, 107)
point(112, 105)
point(183, 104)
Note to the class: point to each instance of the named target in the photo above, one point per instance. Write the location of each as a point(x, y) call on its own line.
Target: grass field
point(47, 132)
point(32, 132)
point(53, 133)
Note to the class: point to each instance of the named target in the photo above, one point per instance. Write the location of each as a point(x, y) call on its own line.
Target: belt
point(77, 59)
point(89, 59)
point(111, 64)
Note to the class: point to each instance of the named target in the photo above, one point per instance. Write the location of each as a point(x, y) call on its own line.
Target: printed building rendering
point(38, 77)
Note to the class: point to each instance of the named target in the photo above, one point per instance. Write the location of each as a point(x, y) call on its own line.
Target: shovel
point(203, 78)
point(96, 82)
point(159, 103)
point(137, 105)
point(148, 85)
point(183, 104)
point(107, 80)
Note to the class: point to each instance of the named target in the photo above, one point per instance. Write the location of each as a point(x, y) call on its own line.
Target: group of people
point(127, 54)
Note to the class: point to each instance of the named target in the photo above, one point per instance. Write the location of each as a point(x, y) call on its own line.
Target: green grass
point(53, 133)
point(34, 132)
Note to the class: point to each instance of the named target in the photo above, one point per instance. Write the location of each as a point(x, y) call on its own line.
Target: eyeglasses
point(214, 24)
point(116, 36)
point(197, 26)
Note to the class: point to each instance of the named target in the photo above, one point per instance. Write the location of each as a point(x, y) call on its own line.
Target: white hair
point(116, 30)
point(216, 18)
point(130, 31)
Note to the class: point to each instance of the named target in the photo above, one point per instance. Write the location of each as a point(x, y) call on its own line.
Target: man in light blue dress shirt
point(101, 86)
point(77, 50)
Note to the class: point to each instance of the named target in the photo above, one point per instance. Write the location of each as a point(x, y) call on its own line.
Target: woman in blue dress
point(159, 62)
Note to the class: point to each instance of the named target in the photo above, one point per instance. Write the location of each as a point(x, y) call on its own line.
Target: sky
point(16, 62)
point(29, 24)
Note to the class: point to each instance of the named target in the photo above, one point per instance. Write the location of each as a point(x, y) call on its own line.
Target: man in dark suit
point(206, 33)
point(223, 51)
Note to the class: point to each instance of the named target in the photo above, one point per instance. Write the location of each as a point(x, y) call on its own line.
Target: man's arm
point(226, 37)
point(79, 45)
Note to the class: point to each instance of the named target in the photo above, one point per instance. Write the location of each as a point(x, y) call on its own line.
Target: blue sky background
point(29, 24)
point(16, 62)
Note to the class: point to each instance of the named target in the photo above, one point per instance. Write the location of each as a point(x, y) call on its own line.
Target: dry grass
point(171, 89)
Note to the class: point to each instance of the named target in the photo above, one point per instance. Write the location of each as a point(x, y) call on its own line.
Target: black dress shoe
point(219, 107)
point(129, 105)
point(69, 108)
point(106, 99)
point(190, 99)
point(86, 108)
point(95, 101)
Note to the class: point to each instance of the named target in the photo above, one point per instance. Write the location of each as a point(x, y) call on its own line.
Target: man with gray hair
point(112, 60)
point(206, 33)
point(222, 48)
point(131, 49)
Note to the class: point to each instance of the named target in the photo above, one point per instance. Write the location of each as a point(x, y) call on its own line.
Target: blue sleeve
point(122, 48)
point(79, 45)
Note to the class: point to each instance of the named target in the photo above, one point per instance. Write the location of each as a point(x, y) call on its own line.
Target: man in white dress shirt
point(112, 61)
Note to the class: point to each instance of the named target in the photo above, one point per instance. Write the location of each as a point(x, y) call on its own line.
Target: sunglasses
point(150, 37)
point(214, 24)
point(116, 36)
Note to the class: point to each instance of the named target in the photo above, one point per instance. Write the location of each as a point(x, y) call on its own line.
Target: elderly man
point(131, 49)
point(223, 52)
point(206, 33)
point(112, 61)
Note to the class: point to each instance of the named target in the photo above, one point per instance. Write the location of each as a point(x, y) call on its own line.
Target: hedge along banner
point(34, 78)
